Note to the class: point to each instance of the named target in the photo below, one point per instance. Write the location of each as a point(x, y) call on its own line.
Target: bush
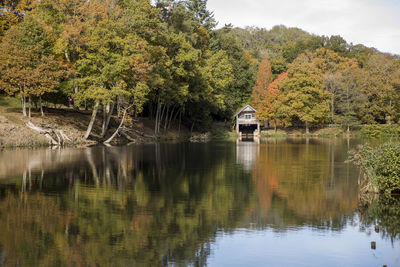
point(381, 165)
point(379, 131)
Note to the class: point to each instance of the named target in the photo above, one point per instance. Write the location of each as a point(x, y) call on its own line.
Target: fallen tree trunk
point(55, 137)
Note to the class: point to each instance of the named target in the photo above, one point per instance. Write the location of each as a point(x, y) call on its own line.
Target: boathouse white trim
point(245, 117)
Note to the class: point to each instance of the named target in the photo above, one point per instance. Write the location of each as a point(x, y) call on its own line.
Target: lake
point(277, 202)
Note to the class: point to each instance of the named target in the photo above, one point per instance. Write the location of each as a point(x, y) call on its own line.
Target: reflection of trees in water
point(147, 206)
point(304, 182)
point(384, 213)
point(163, 204)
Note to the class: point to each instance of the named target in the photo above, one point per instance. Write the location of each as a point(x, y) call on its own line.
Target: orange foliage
point(266, 111)
point(264, 78)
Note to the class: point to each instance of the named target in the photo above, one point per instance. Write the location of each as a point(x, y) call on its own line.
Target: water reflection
point(382, 214)
point(247, 152)
point(164, 204)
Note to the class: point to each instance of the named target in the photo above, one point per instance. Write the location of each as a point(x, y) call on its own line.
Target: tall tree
point(332, 65)
point(264, 78)
point(13, 12)
point(380, 72)
point(204, 17)
point(27, 66)
point(303, 98)
point(268, 109)
point(244, 68)
point(114, 63)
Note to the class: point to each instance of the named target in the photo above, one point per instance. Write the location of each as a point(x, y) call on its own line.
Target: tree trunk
point(118, 105)
point(161, 117)
point(73, 101)
point(166, 119)
point(66, 54)
point(41, 106)
point(275, 126)
point(151, 111)
point(170, 118)
point(116, 132)
point(90, 126)
point(108, 110)
point(23, 102)
point(307, 130)
point(30, 107)
point(157, 116)
point(191, 128)
point(176, 115)
point(180, 119)
point(332, 108)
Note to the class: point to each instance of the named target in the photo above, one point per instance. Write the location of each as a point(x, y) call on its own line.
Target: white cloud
point(370, 22)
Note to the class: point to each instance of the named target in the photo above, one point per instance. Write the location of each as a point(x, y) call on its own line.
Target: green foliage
point(9, 101)
point(264, 78)
point(381, 165)
point(27, 66)
point(303, 98)
point(243, 69)
point(13, 12)
point(167, 55)
point(381, 76)
point(383, 212)
point(203, 16)
point(380, 131)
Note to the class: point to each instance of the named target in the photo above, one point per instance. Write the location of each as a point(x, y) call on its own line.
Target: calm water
point(274, 203)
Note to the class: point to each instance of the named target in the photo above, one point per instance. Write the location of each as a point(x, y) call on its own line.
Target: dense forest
point(167, 60)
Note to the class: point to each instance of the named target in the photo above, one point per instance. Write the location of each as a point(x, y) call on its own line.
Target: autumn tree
point(350, 98)
point(264, 78)
point(380, 79)
point(268, 109)
point(13, 12)
point(303, 98)
point(27, 66)
point(334, 68)
point(113, 64)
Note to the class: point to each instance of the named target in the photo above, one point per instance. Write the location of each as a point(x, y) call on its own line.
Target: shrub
point(378, 131)
point(381, 165)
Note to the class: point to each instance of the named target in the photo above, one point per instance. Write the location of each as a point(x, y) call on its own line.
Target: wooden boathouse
point(246, 122)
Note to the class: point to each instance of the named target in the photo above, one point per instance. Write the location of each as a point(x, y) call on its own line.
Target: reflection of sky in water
point(158, 204)
point(304, 247)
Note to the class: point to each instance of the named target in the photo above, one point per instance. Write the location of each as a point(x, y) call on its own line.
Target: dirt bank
point(15, 133)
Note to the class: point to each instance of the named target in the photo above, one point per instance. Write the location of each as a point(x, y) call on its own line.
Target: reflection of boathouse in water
point(247, 152)
point(246, 122)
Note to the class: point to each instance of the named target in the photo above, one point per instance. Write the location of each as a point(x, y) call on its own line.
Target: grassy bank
point(300, 132)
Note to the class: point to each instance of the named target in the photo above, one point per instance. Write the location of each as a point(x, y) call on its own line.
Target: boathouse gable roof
point(247, 108)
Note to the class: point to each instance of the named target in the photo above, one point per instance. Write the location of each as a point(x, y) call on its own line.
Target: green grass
point(9, 101)
point(273, 133)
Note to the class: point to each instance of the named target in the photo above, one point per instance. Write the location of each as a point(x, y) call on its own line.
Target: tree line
point(118, 55)
point(166, 60)
point(323, 87)
point(306, 80)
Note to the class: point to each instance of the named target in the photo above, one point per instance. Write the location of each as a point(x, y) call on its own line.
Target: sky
point(373, 23)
